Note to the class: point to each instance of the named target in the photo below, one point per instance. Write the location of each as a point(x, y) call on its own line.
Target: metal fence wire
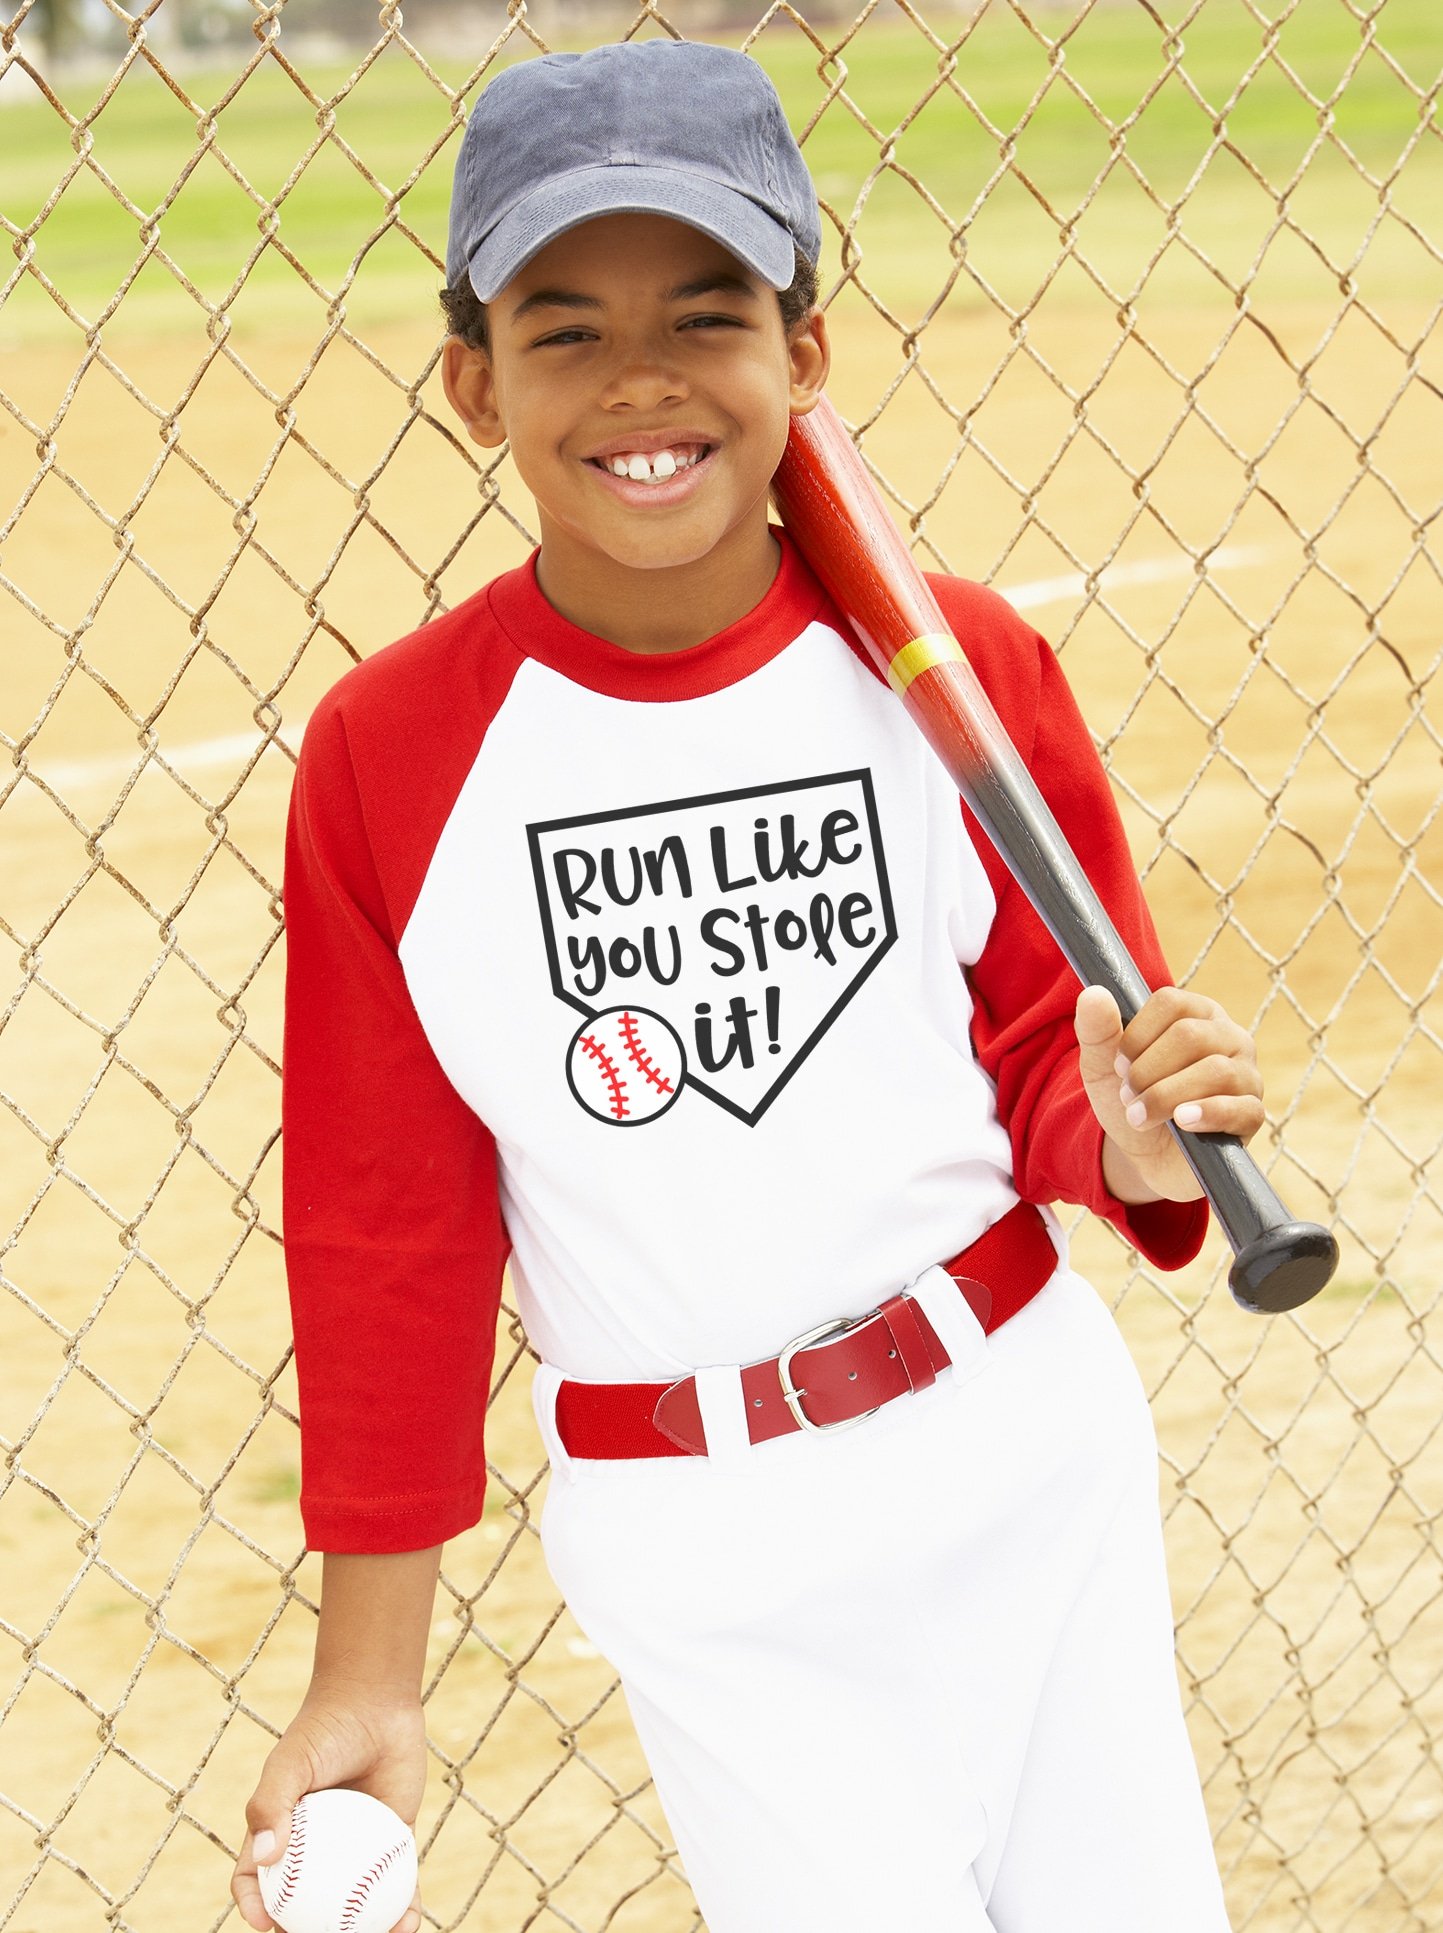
point(1136, 308)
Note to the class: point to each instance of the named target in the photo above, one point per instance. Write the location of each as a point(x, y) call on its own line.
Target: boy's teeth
point(657, 468)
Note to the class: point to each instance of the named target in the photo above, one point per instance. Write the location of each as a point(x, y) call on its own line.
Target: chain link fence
point(1137, 314)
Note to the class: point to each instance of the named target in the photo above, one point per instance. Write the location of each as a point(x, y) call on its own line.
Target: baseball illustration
point(626, 1065)
point(348, 1867)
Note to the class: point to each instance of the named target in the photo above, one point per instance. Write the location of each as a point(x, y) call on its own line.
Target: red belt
point(828, 1377)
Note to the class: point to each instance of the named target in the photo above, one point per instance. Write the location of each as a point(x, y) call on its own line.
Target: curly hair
point(465, 313)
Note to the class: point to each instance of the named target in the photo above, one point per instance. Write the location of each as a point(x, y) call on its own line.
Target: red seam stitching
point(609, 1073)
point(634, 1048)
point(291, 1871)
point(363, 1887)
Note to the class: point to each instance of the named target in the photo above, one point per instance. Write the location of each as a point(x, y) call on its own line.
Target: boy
point(634, 930)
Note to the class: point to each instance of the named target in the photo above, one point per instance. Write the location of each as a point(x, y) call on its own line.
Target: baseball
point(626, 1065)
point(348, 1867)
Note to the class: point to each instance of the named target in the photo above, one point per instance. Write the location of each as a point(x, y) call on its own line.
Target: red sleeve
point(1024, 991)
point(394, 1240)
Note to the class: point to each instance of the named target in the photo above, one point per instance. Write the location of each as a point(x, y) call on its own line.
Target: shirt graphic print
point(709, 943)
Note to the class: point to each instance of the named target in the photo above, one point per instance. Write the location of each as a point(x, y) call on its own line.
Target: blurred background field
point(344, 161)
point(1137, 312)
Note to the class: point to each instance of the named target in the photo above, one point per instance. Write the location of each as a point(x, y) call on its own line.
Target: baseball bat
point(835, 513)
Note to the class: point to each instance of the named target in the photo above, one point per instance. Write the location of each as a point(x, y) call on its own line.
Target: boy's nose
point(643, 381)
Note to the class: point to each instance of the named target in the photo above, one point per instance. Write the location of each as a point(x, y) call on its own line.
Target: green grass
point(146, 141)
point(278, 1485)
point(1361, 1288)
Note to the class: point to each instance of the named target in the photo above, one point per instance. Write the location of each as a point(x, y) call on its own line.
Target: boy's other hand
point(1181, 1058)
point(339, 1737)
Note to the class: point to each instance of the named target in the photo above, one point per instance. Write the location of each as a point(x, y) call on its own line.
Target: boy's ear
point(809, 351)
point(470, 385)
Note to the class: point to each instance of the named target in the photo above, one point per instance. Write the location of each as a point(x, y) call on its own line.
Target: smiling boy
point(621, 494)
point(636, 935)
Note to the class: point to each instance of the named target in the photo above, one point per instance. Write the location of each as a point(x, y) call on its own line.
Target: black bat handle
point(1278, 1262)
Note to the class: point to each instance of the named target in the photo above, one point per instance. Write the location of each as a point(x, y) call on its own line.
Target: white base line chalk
point(207, 753)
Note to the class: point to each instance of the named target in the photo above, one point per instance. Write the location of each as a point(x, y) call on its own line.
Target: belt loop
point(958, 1330)
point(1052, 1222)
point(723, 1413)
point(545, 1385)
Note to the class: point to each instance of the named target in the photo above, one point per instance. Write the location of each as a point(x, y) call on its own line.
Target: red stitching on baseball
point(608, 1070)
point(356, 1900)
point(638, 1053)
point(295, 1849)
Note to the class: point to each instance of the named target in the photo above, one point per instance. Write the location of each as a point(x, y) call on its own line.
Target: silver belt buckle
point(792, 1396)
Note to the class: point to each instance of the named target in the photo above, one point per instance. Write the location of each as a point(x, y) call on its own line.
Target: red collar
point(538, 630)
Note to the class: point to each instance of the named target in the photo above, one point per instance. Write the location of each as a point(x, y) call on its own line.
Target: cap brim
point(757, 240)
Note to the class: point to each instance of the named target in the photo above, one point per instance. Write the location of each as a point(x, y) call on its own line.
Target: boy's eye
point(564, 338)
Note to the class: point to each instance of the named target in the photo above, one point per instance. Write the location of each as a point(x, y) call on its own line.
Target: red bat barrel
point(831, 507)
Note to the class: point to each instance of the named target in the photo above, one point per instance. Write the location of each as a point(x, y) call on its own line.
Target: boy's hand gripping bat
point(833, 510)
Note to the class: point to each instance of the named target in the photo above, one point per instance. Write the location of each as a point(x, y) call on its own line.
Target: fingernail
point(1126, 1095)
point(1187, 1115)
point(1122, 1066)
point(264, 1848)
point(1137, 1115)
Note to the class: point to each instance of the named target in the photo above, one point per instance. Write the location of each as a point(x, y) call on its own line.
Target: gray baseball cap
point(661, 127)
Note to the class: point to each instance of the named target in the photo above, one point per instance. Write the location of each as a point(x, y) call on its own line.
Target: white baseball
point(626, 1065)
point(348, 1867)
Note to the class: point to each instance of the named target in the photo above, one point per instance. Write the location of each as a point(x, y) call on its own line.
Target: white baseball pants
point(917, 1674)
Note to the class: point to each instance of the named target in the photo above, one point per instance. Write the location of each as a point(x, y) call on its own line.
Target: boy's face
point(637, 342)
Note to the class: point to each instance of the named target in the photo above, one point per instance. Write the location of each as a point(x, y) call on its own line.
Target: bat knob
point(1285, 1267)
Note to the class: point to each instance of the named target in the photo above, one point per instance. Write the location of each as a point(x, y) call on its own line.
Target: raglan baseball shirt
point(681, 978)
